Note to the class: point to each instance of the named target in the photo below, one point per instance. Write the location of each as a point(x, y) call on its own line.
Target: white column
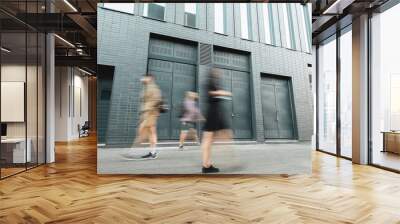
point(360, 90)
point(50, 100)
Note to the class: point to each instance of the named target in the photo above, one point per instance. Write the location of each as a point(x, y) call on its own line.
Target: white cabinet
point(19, 155)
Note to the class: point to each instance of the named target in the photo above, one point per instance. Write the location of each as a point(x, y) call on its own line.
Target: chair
point(84, 130)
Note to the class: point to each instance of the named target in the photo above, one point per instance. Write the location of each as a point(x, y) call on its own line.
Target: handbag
point(163, 107)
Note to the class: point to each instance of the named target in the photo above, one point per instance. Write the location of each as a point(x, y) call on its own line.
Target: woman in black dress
point(215, 119)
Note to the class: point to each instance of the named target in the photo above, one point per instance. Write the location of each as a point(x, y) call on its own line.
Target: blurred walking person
point(215, 118)
point(149, 113)
point(190, 115)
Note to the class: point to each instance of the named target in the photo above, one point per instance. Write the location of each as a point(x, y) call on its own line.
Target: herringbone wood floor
point(70, 191)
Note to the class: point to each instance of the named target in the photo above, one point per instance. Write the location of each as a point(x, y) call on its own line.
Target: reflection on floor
point(70, 191)
point(387, 159)
point(10, 171)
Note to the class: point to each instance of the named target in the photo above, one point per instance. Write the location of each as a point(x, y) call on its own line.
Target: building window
point(154, 10)
point(267, 23)
point(219, 16)
point(286, 26)
point(303, 26)
point(245, 21)
point(190, 14)
point(122, 7)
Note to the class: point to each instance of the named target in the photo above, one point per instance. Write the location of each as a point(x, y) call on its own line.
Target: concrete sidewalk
point(290, 158)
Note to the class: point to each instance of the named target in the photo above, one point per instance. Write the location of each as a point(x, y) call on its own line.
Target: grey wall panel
point(123, 42)
point(170, 12)
point(302, 34)
point(271, 26)
point(180, 13)
point(260, 19)
point(201, 16)
point(254, 22)
point(296, 28)
point(230, 29)
point(236, 18)
point(139, 9)
point(307, 17)
point(210, 17)
point(292, 26)
point(281, 25)
point(276, 25)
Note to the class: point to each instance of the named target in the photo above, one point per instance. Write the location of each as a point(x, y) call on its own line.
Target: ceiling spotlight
point(337, 7)
point(5, 50)
point(84, 71)
point(70, 5)
point(65, 41)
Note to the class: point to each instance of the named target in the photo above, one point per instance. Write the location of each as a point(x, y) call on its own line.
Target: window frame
point(117, 10)
point(146, 10)
point(186, 12)
point(223, 17)
point(288, 37)
point(245, 20)
point(267, 23)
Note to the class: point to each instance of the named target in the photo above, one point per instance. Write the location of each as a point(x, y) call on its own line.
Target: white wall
point(17, 72)
point(34, 125)
point(71, 102)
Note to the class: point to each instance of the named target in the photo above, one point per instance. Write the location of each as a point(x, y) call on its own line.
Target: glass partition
point(327, 95)
point(22, 88)
point(31, 98)
point(346, 92)
point(385, 89)
point(13, 94)
point(41, 97)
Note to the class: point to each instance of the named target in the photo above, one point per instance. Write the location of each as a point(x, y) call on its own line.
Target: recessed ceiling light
point(86, 72)
point(70, 5)
point(338, 6)
point(5, 50)
point(64, 40)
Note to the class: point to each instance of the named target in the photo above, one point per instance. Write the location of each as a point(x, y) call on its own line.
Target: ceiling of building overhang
point(330, 15)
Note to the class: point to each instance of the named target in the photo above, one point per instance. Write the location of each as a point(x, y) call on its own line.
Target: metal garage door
point(277, 105)
point(236, 78)
point(173, 66)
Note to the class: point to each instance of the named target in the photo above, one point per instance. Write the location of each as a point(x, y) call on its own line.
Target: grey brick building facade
point(124, 39)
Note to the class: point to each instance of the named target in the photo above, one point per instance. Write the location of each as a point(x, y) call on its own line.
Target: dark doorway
point(278, 107)
point(105, 77)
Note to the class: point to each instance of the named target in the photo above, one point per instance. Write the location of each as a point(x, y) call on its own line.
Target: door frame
point(174, 60)
point(292, 102)
point(251, 86)
point(170, 98)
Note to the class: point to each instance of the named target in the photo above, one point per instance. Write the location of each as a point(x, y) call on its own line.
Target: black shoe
point(181, 147)
point(150, 156)
point(210, 169)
